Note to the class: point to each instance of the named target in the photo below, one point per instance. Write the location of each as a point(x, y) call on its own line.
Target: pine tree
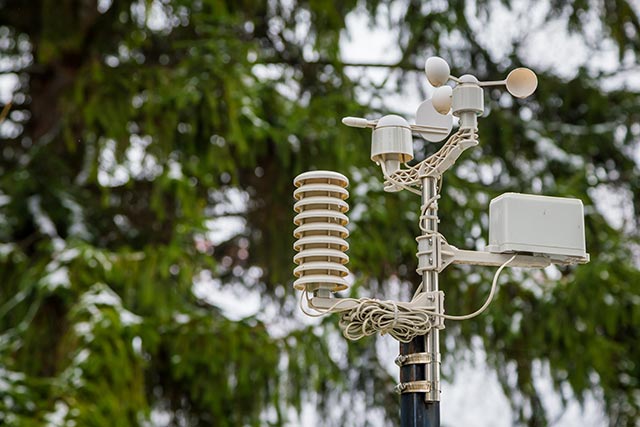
point(136, 128)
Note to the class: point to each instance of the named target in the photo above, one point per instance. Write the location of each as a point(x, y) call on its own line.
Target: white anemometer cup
point(521, 82)
point(437, 71)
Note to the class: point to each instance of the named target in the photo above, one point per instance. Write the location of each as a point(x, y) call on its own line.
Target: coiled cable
point(402, 320)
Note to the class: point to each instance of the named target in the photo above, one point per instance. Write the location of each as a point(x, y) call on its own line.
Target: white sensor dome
point(392, 120)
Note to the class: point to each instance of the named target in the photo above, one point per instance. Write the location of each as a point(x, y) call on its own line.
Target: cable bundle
point(402, 320)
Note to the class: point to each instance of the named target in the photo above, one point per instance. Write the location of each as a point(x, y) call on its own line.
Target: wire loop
point(403, 321)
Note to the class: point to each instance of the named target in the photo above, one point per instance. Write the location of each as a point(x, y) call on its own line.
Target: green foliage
point(136, 127)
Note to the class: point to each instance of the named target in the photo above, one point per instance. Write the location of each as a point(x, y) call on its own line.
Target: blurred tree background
point(147, 156)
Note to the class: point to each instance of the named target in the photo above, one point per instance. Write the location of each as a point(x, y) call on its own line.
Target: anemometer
point(524, 230)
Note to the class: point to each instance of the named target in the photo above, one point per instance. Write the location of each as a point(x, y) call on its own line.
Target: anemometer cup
point(521, 82)
point(442, 99)
point(437, 71)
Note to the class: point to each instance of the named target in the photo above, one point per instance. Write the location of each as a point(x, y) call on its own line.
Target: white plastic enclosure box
point(552, 226)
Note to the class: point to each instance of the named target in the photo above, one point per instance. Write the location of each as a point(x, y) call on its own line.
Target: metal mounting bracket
point(432, 301)
point(449, 254)
point(429, 252)
point(414, 387)
point(415, 359)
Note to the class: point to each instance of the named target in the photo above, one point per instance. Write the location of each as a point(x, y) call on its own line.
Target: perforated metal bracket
point(414, 387)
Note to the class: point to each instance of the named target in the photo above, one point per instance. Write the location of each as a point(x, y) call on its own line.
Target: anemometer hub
point(468, 78)
point(468, 97)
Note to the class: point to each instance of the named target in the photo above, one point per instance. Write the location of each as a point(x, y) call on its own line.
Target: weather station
point(525, 230)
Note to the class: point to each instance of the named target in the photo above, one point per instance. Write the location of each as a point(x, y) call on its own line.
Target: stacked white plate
point(321, 219)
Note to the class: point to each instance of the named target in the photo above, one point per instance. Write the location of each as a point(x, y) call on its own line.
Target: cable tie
point(395, 315)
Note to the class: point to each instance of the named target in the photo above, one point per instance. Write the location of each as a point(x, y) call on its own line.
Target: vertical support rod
point(423, 409)
point(430, 279)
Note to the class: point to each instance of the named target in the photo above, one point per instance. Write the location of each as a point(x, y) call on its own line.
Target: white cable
point(423, 213)
point(323, 311)
point(489, 298)
point(402, 320)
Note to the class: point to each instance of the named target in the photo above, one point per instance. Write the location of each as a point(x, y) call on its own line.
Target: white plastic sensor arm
point(462, 256)
point(432, 129)
point(493, 83)
point(358, 122)
point(332, 304)
point(397, 183)
point(337, 305)
point(452, 255)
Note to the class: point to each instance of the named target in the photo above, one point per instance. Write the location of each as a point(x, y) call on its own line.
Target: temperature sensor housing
point(553, 226)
